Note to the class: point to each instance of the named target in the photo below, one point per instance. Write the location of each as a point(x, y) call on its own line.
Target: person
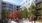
point(31, 19)
point(34, 19)
point(9, 21)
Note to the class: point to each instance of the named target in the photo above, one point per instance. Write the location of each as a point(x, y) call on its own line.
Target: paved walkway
point(38, 22)
point(25, 21)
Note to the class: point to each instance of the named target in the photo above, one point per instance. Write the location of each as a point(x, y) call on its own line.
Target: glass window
point(3, 3)
point(38, 5)
point(7, 4)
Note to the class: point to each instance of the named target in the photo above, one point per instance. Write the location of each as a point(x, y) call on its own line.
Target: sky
point(14, 1)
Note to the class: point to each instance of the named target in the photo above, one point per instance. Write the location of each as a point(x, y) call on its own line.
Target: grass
point(39, 20)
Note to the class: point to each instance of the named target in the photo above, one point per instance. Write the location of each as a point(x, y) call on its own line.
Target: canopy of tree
point(14, 14)
point(24, 13)
point(4, 12)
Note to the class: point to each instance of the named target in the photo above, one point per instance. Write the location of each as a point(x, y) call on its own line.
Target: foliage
point(24, 13)
point(14, 14)
point(41, 5)
point(4, 12)
point(29, 14)
point(33, 9)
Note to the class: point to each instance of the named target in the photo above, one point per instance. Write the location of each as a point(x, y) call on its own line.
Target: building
point(0, 7)
point(26, 3)
point(16, 7)
point(10, 7)
point(39, 13)
point(7, 5)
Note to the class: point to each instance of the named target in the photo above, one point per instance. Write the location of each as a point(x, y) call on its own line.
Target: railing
point(38, 8)
point(38, 14)
point(38, 1)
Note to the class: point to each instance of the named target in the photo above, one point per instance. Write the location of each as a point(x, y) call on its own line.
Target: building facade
point(38, 3)
point(0, 7)
point(16, 7)
point(10, 7)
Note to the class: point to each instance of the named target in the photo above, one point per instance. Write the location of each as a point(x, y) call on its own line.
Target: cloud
point(14, 1)
point(22, 2)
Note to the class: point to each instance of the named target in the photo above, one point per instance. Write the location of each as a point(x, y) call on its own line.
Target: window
point(17, 9)
point(10, 5)
point(38, 5)
point(18, 6)
point(3, 3)
point(7, 4)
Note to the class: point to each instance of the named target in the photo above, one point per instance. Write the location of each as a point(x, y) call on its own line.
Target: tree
point(24, 13)
point(14, 14)
point(41, 5)
point(29, 14)
point(4, 12)
point(33, 9)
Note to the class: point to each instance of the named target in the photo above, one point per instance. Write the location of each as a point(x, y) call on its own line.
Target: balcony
point(3, 4)
point(38, 1)
point(38, 14)
point(38, 8)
